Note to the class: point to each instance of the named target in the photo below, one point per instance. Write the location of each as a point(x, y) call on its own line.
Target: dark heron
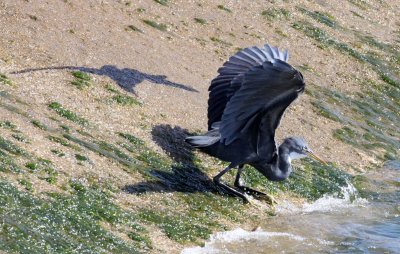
point(246, 103)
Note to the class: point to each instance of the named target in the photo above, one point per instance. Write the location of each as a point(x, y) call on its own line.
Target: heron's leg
point(238, 184)
point(239, 172)
point(227, 188)
point(257, 194)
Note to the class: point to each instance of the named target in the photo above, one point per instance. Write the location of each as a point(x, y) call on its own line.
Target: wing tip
point(275, 53)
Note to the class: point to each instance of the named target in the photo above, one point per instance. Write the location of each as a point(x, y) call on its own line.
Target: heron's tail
point(201, 141)
point(210, 138)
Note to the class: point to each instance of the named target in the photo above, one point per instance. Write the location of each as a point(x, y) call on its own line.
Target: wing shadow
point(126, 78)
point(184, 175)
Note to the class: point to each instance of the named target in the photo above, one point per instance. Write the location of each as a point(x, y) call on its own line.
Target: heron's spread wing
point(231, 74)
point(265, 92)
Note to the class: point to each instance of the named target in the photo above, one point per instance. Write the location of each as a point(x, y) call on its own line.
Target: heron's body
point(247, 101)
point(242, 151)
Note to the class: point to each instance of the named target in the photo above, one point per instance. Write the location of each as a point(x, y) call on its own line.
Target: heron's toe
point(269, 199)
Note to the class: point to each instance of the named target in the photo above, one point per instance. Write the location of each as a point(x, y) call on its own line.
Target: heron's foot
point(258, 195)
point(270, 200)
point(228, 189)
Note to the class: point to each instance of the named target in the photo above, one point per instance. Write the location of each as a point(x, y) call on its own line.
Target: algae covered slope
point(96, 98)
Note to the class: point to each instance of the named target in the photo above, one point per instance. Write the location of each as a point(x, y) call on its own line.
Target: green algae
point(105, 149)
point(322, 17)
point(312, 31)
point(159, 26)
point(192, 190)
point(132, 139)
point(58, 152)
point(345, 134)
point(370, 118)
point(111, 88)
point(148, 158)
point(126, 100)
point(8, 165)
point(84, 133)
point(32, 165)
point(206, 208)
point(103, 145)
point(222, 7)
point(363, 186)
point(371, 41)
point(81, 157)
point(362, 4)
point(65, 128)
point(382, 67)
point(61, 111)
point(5, 80)
point(33, 17)
point(368, 141)
point(200, 21)
point(61, 223)
point(281, 33)
point(134, 28)
point(326, 111)
point(221, 42)
point(305, 67)
point(43, 169)
point(309, 179)
point(389, 80)
point(177, 227)
point(82, 80)
point(313, 180)
point(162, 2)
point(357, 14)
point(8, 125)
point(13, 109)
point(122, 99)
point(197, 221)
point(27, 184)
point(39, 125)
point(143, 242)
point(10, 147)
point(372, 114)
point(19, 137)
point(81, 75)
point(61, 141)
point(325, 40)
point(276, 14)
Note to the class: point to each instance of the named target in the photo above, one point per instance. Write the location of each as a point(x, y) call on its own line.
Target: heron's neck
point(280, 168)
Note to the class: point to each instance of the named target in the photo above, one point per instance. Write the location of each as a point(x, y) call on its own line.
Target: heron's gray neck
point(280, 168)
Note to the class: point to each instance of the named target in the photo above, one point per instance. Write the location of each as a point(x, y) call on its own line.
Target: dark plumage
point(246, 103)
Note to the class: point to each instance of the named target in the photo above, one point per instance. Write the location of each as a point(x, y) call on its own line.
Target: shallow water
point(349, 224)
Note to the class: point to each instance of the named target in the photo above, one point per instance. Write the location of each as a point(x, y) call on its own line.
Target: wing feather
point(266, 91)
point(231, 74)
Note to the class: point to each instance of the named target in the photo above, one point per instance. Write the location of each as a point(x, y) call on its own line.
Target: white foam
point(237, 235)
point(347, 197)
point(332, 202)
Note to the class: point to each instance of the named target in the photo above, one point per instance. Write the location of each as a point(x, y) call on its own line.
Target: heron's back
point(238, 152)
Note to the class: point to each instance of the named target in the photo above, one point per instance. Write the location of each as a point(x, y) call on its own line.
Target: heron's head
point(298, 148)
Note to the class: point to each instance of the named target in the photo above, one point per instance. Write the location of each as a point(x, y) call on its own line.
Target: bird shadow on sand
point(183, 176)
point(126, 78)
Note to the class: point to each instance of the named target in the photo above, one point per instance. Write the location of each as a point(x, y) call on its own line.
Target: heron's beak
point(315, 157)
